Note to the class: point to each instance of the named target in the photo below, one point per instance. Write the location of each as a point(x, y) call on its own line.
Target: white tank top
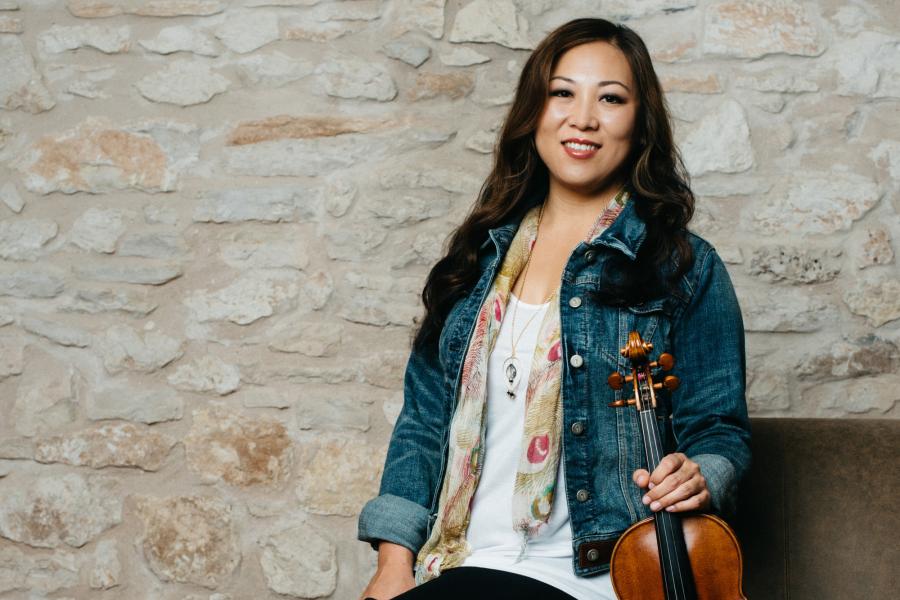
point(494, 543)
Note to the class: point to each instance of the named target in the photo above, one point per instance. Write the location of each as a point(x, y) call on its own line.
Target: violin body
point(713, 550)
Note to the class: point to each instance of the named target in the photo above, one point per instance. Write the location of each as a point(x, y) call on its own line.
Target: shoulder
point(707, 267)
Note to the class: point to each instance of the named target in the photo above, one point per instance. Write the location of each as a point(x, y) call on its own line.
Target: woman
point(507, 474)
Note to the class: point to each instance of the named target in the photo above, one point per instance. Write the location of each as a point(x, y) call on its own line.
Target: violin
point(668, 556)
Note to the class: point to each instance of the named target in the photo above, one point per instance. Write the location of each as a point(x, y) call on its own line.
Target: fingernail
point(650, 485)
point(646, 499)
point(670, 508)
point(655, 506)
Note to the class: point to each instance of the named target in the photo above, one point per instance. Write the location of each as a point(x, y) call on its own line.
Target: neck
point(567, 210)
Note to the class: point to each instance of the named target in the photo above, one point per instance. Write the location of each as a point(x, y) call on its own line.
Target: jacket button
point(577, 427)
point(589, 256)
point(575, 301)
point(593, 554)
point(582, 495)
point(576, 360)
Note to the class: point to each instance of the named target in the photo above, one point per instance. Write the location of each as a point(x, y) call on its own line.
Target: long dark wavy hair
point(654, 174)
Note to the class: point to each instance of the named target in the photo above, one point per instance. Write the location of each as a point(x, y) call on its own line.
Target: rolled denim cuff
point(720, 482)
point(393, 519)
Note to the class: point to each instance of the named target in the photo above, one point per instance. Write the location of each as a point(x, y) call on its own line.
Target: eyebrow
point(599, 83)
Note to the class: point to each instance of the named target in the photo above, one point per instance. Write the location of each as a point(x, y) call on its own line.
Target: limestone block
point(159, 245)
point(36, 573)
point(21, 85)
point(61, 509)
point(877, 298)
point(875, 248)
point(347, 77)
point(181, 38)
point(417, 15)
point(106, 569)
point(98, 230)
point(46, 397)
point(128, 271)
point(794, 264)
point(270, 204)
point(11, 348)
point(844, 359)
point(462, 56)
point(272, 70)
point(90, 9)
point(183, 83)
point(116, 444)
point(94, 301)
point(24, 239)
point(97, 156)
point(245, 31)
point(818, 203)
point(754, 29)
point(106, 39)
point(491, 21)
point(56, 332)
point(433, 85)
point(873, 396)
point(720, 142)
point(767, 391)
point(777, 310)
point(251, 297)
point(300, 562)
point(11, 197)
point(238, 449)
point(207, 374)
point(124, 349)
point(409, 52)
point(189, 539)
point(38, 282)
point(251, 254)
point(337, 474)
point(143, 406)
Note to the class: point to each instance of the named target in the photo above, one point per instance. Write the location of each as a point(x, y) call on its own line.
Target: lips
point(580, 148)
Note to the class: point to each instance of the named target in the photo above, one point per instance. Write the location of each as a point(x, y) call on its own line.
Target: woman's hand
point(676, 485)
point(394, 574)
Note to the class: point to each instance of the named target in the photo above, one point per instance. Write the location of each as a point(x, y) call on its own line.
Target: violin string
point(662, 539)
point(665, 521)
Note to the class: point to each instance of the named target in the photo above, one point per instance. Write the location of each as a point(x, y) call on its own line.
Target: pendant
point(511, 370)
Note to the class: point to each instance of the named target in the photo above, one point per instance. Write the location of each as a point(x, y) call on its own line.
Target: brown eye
point(614, 99)
point(559, 92)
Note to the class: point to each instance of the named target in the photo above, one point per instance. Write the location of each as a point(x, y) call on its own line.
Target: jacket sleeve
point(709, 409)
point(400, 512)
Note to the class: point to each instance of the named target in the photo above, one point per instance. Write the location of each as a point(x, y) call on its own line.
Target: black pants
point(477, 583)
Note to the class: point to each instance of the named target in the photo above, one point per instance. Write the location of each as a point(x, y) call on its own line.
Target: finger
point(682, 492)
point(666, 486)
point(669, 464)
point(641, 477)
point(699, 501)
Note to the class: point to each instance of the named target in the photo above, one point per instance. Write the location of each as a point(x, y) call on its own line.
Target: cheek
point(619, 124)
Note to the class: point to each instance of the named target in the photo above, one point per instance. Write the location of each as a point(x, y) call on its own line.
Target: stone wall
point(217, 216)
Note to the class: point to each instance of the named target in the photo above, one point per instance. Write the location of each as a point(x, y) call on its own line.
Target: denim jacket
point(706, 417)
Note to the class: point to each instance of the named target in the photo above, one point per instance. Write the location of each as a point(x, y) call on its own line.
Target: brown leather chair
point(818, 517)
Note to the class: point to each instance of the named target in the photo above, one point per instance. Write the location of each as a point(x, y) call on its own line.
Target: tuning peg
point(670, 382)
point(665, 360)
point(617, 381)
point(621, 403)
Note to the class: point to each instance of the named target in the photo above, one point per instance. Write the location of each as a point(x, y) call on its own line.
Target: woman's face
point(592, 98)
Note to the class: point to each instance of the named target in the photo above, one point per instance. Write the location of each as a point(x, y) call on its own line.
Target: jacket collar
point(626, 234)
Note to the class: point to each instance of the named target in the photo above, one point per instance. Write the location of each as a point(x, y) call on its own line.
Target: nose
point(582, 115)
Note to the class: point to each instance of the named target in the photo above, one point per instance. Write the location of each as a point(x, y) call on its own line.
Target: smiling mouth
point(581, 147)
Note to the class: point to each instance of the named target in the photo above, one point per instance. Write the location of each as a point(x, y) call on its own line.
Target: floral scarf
point(536, 475)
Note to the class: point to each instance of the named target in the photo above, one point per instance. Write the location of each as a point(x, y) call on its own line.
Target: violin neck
point(678, 580)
